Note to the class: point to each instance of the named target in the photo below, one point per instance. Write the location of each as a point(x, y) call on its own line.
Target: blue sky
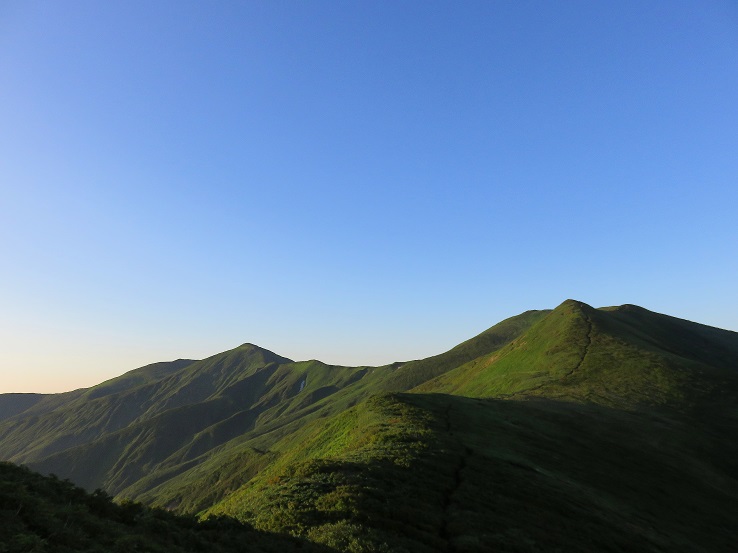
point(358, 182)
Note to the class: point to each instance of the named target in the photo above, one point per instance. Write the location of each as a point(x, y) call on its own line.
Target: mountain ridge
point(242, 431)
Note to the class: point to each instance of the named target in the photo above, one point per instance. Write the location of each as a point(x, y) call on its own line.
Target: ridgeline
point(574, 429)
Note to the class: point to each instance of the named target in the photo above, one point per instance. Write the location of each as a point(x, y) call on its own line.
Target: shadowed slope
point(159, 446)
point(137, 377)
point(38, 404)
point(441, 473)
point(89, 414)
point(13, 404)
point(47, 514)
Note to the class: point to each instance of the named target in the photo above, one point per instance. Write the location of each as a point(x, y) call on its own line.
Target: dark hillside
point(137, 377)
point(50, 402)
point(47, 514)
point(38, 404)
point(92, 413)
point(145, 442)
point(13, 404)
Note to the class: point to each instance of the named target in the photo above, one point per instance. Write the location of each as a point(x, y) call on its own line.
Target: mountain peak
point(574, 304)
point(249, 348)
point(248, 345)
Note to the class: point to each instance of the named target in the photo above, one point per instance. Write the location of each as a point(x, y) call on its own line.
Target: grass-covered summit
point(621, 356)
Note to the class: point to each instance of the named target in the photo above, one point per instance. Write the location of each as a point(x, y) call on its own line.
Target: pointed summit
point(575, 305)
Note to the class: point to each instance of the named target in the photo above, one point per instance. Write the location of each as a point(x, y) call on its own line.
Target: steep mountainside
point(573, 429)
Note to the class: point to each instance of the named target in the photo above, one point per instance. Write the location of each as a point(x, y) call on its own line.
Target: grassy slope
point(329, 390)
point(218, 413)
point(161, 444)
point(137, 377)
point(13, 404)
point(47, 403)
point(621, 357)
point(88, 414)
point(413, 373)
point(38, 404)
point(195, 487)
point(416, 472)
point(547, 352)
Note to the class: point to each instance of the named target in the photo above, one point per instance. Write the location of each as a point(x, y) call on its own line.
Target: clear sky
point(358, 182)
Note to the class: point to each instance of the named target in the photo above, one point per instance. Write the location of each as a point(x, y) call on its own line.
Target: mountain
point(572, 429)
point(12, 404)
point(623, 357)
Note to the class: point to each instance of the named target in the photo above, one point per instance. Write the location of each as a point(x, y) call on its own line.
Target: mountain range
point(572, 429)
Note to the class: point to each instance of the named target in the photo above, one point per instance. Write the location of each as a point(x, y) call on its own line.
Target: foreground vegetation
point(423, 473)
point(41, 513)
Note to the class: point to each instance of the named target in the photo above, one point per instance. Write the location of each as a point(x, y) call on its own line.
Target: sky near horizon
point(358, 182)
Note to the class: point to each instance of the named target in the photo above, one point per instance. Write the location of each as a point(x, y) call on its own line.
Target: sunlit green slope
point(622, 357)
point(413, 373)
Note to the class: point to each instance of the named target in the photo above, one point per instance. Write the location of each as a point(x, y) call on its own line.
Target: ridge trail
point(568, 374)
point(586, 347)
point(443, 532)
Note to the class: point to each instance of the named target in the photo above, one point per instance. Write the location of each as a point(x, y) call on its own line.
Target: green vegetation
point(577, 353)
point(415, 472)
point(47, 514)
point(575, 429)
